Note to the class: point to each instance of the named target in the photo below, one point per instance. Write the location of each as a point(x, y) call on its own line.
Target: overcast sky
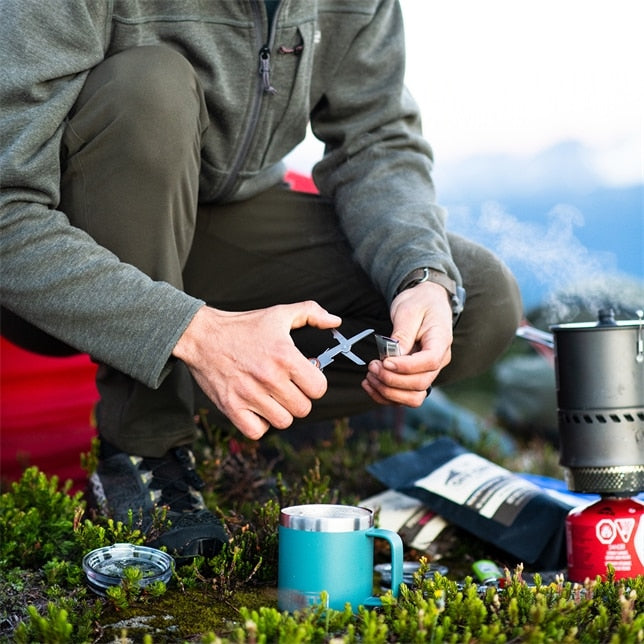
point(517, 76)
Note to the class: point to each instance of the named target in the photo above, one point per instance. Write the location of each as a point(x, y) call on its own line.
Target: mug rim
point(326, 517)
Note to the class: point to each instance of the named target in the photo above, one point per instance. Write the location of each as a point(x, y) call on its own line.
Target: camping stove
point(599, 368)
point(600, 400)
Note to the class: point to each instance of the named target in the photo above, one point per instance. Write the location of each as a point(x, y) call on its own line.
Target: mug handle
point(396, 544)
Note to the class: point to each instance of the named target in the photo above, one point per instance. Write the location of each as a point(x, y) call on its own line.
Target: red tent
point(45, 413)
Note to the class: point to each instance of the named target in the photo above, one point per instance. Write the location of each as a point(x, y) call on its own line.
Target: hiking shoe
point(124, 483)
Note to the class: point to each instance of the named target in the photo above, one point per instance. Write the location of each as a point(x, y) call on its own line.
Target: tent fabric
point(45, 413)
point(46, 404)
point(300, 182)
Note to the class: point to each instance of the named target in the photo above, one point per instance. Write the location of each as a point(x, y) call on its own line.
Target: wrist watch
point(456, 293)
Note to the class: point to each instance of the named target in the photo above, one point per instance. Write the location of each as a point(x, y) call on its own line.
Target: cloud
point(514, 78)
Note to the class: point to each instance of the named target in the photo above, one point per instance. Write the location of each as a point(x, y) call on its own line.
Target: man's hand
point(422, 320)
point(248, 365)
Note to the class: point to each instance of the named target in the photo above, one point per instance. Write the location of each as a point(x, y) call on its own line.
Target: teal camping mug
point(329, 548)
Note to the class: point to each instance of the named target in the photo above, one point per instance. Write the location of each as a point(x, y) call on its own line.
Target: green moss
point(183, 615)
point(232, 598)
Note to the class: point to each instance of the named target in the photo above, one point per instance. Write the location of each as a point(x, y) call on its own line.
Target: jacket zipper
point(265, 69)
point(263, 87)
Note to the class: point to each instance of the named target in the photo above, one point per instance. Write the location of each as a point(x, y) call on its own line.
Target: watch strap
point(420, 275)
point(456, 293)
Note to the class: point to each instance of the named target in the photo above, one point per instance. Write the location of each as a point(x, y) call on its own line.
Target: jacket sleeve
point(377, 165)
point(53, 274)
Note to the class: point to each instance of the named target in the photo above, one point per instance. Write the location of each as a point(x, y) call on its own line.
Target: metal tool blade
point(344, 346)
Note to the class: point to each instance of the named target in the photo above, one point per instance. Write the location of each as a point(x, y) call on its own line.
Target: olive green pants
point(131, 158)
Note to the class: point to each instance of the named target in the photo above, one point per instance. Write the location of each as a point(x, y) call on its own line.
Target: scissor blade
point(353, 356)
point(346, 344)
point(343, 346)
point(359, 336)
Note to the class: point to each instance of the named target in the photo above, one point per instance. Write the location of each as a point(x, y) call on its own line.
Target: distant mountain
point(549, 217)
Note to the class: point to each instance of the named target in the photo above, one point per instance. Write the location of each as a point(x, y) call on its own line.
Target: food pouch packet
point(489, 501)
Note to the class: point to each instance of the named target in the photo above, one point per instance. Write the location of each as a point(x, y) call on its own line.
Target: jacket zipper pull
point(265, 69)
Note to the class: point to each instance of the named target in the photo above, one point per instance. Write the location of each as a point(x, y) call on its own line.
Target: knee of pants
point(145, 100)
point(499, 309)
point(492, 313)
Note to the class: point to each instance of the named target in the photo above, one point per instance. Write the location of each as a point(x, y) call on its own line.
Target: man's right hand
point(248, 365)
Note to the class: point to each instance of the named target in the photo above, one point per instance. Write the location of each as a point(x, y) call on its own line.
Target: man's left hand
point(422, 323)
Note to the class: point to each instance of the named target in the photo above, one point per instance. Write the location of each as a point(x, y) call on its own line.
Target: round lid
point(104, 567)
point(322, 517)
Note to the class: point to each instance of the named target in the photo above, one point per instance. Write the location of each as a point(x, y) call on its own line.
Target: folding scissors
point(343, 346)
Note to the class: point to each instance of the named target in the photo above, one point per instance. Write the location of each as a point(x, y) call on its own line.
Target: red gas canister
point(609, 531)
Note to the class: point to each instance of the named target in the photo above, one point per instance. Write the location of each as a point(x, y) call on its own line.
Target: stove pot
point(599, 370)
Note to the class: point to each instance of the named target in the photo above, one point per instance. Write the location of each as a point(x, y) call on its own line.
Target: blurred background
point(535, 112)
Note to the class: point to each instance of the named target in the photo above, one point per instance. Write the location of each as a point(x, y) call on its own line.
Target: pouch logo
point(607, 530)
point(455, 477)
point(476, 472)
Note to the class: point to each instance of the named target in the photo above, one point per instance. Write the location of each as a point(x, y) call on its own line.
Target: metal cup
point(330, 549)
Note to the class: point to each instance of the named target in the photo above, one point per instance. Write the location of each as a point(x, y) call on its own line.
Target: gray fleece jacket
point(346, 79)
